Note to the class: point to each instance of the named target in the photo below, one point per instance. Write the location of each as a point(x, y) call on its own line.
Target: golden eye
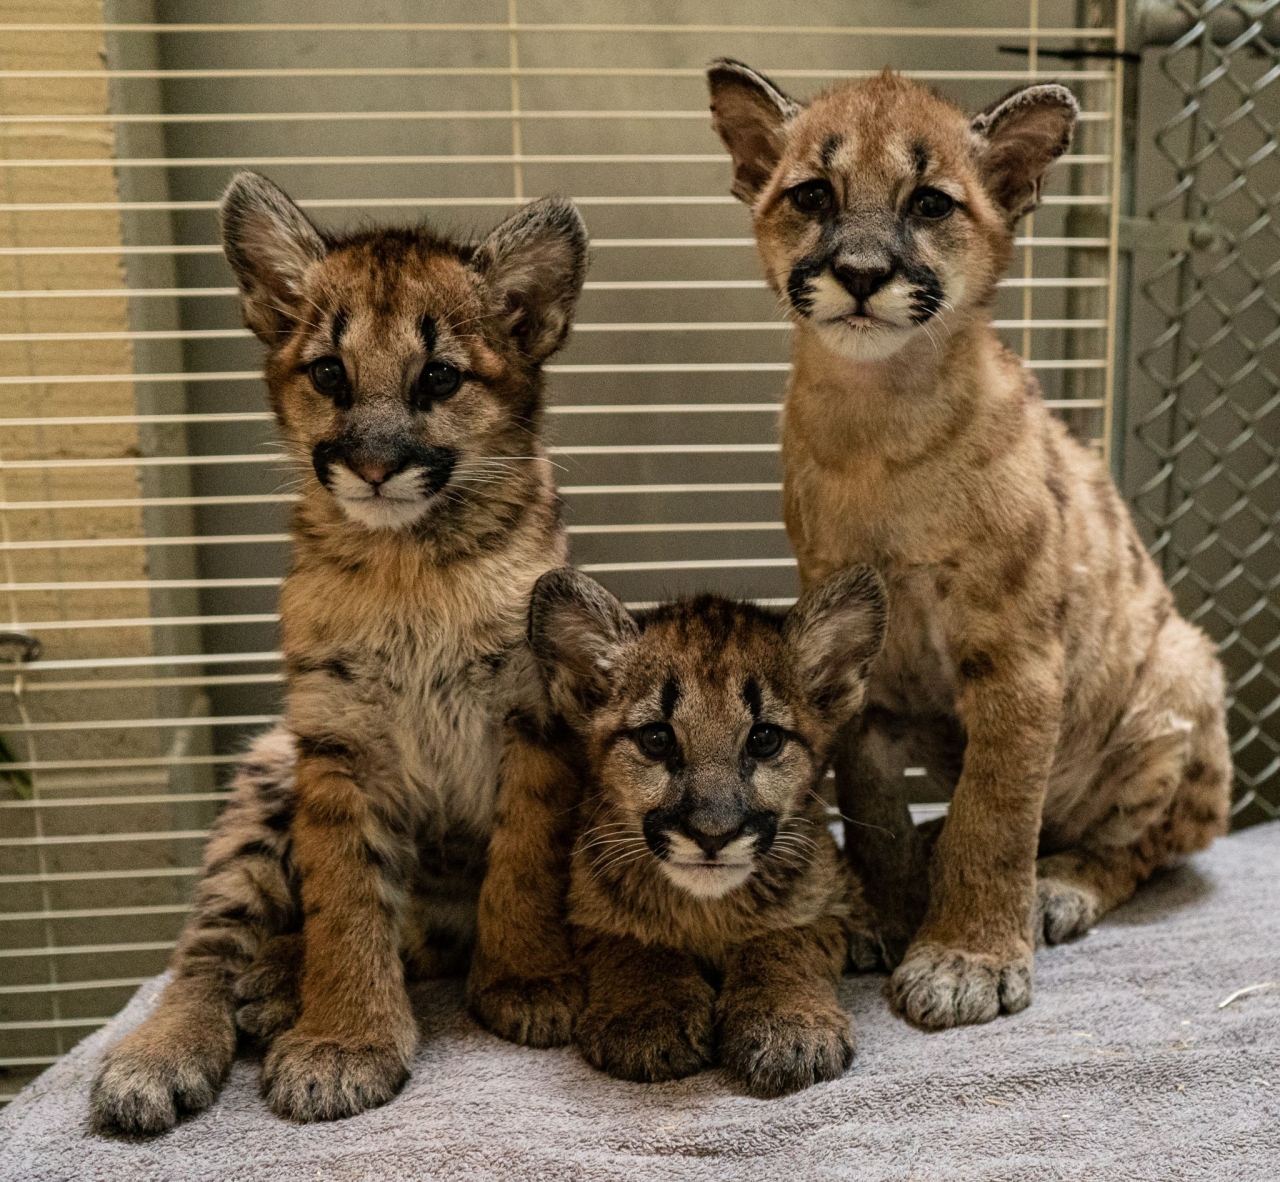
point(812, 196)
point(764, 741)
point(931, 203)
point(656, 740)
point(329, 376)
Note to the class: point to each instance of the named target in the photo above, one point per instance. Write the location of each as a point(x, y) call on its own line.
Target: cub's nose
point(861, 282)
point(374, 472)
point(711, 843)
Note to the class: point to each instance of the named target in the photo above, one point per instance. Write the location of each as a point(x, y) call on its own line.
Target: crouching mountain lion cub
point(712, 911)
point(1031, 636)
point(405, 372)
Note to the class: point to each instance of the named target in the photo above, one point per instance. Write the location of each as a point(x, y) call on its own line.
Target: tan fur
point(355, 840)
point(712, 911)
point(1025, 613)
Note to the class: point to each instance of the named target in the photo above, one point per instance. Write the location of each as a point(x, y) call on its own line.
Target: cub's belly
point(914, 673)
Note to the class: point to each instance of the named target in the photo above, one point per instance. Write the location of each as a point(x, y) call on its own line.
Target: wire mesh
point(1208, 420)
point(143, 503)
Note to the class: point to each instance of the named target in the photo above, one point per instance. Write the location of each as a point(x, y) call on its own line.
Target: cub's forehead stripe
point(427, 331)
point(670, 696)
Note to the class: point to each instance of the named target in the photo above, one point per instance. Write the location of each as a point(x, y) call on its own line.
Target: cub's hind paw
point(937, 987)
point(267, 992)
point(1063, 911)
point(659, 1039)
point(773, 1052)
point(307, 1077)
point(534, 1012)
point(146, 1082)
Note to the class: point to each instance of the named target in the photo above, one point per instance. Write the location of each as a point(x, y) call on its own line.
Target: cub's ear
point(1019, 137)
point(270, 244)
point(535, 262)
point(577, 631)
point(835, 631)
point(749, 114)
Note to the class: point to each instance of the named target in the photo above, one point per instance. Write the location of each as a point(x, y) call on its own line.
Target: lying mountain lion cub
point(710, 905)
point(1030, 630)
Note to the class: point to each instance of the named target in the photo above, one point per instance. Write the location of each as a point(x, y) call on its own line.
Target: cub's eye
point(329, 376)
point(656, 740)
point(812, 197)
point(764, 741)
point(931, 203)
point(437, 382)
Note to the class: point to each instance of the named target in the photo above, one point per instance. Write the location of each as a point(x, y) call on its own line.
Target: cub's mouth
point(709, 866)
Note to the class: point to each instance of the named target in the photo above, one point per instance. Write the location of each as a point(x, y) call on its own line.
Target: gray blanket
point(1127, 1066)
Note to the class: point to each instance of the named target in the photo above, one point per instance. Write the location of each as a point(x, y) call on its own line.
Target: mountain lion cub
point(1031, 637)
point(405, 372)
point(711, 908)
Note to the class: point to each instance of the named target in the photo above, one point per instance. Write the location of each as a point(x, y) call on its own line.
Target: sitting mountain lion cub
point(1030, 634)
point(405, 373)
point(711, 908)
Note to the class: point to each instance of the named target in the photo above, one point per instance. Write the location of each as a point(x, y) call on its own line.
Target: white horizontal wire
point(210, 248)
point(150, 661)
point(99, 875)
point(115, 724)
point(116, 684)
point(113, 801)
point(62, 765)
point(104, 839)
point(1068, 199)
point(978, 31)
point(56, 1023)
point(1066, 75)
point(29, 1060)
point(590, 285)
point(74, 986)
point(597, 568)
point(632, 326)
point(91, 912)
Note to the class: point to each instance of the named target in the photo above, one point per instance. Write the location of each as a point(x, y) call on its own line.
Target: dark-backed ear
point(749, 114)
point(536, 262)
point(1019, 137)
point(835, 631)
point(270, 244)
point(576, 630)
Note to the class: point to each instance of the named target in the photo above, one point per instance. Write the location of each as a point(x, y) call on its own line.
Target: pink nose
point(372, 472)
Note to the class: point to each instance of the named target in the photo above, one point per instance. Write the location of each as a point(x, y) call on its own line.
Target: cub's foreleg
point(175, 1061)
point(971, 959)
point(649, 1014)
point(352, 1044)
point(524, 983)
point(781, 1023)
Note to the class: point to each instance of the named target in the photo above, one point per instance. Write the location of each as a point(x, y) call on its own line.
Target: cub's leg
point(887, 852)
point(649, 1014)
point(268, 993)
point(351, 1046)
point(781, 1024)
point(175, 1061)
point(971, 959)
point(525, 984)
point(1164, 789)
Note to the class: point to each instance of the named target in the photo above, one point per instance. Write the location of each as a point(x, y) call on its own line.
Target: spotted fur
point(355, 840)
point(710, 905)
point(1034, 656)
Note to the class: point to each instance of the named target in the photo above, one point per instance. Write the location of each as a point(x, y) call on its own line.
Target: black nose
point(711, 843)
point(861, 282)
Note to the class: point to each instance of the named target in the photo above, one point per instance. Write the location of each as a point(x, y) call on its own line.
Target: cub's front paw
point(310, 1077)
point(936, 987)
point(534, 1012)
point(267, 997)
point(773, 1052)
point(1063, 911)
point(150, 1078)
point(657, 1039)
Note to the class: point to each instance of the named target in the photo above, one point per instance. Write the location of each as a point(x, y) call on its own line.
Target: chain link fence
point(1203, 463)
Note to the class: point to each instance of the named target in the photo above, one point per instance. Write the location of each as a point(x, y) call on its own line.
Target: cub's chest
point(915, 672)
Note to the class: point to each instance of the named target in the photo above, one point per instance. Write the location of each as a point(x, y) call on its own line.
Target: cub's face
point(882, 212)
point(708, 721)
point(403, 367)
